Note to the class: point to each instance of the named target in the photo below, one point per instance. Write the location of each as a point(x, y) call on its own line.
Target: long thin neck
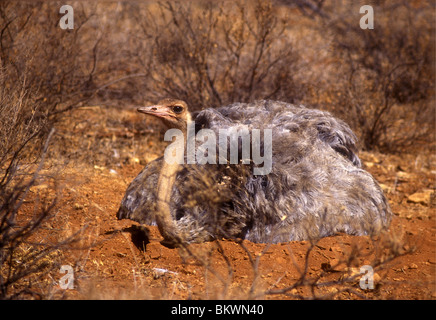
point(167, 178)
point(166, 224)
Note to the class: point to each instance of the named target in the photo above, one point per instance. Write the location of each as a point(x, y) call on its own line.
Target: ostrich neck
point(166, 224)
point(167, 178)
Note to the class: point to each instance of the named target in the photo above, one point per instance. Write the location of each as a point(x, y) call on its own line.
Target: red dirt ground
point(109, 264)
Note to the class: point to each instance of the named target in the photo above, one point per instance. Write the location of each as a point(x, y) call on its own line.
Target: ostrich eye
point(177, 109)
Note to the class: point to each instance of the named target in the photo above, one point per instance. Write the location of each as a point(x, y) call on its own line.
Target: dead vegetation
point(386, 80)
point(208, 53)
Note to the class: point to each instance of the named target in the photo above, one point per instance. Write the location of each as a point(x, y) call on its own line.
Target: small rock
point(134, 160)
point(294, 291)
point(376, 278)
point(368, 164)
point(420, 197)
point(413, 266)
point(78, 206)
point(403, 176)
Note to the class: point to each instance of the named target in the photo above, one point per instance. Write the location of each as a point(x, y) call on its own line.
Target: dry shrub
point(39, 80)
point(58, 65)
point(384, 84)
point(211, 54)
point(24, 261)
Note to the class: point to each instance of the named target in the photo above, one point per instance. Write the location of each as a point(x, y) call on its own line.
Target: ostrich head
point(173, 113)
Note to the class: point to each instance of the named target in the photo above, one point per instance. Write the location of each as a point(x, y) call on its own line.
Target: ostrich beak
point(157, 111)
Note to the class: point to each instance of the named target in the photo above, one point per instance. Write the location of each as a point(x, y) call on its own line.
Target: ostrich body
point(316, 187)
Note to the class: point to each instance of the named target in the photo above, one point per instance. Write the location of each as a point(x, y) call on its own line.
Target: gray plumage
point(316, 187)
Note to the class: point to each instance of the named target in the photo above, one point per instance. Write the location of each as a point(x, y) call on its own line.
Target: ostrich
point(316, 187)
